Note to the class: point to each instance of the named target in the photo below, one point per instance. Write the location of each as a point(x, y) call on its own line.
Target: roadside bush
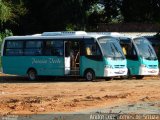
point(5, 34)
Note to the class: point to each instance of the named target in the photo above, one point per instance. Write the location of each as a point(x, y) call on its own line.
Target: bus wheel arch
point(32, 74)
point(129, 76)
point(89, 74)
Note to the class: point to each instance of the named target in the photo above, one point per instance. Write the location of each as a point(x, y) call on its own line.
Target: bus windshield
point(145, 49)
point(111, 48)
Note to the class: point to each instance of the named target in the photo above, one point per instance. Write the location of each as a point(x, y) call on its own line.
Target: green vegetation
point(5, 34)
point(10, 10)
point(2, 36)
point(31, 16)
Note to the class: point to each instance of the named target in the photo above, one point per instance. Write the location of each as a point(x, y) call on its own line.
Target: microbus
point(141, 57)
point(74, 53)
point(155, 42)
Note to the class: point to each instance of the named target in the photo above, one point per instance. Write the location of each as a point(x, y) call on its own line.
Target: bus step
point(73, 75)
point(74, 72)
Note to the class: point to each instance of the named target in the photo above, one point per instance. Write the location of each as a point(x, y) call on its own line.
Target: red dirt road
point(20, 96)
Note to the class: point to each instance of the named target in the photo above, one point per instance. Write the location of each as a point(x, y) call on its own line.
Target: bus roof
point(64, 35)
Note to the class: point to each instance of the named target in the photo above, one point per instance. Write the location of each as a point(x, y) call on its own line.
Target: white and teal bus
point(141, 57)
point(63, 54)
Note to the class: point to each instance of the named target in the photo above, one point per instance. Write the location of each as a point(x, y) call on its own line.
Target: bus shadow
point(49, 79)
point(20, 79)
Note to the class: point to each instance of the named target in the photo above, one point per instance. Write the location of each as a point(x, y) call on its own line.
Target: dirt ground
point(18, 95)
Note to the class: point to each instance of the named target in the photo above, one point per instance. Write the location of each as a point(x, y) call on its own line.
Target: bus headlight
point(143, 65)
point(108, 66)
point(109, 58)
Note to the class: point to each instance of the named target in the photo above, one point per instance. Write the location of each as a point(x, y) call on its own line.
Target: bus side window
point(92, 49)
point(33, 48)
point(125, 49)
point(13, 48)
point(88, 50)
point(53, 48)
point(47, 48)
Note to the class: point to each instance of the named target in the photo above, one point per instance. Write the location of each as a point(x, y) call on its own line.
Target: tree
point(56, 15)
point(112, 11)
point(141, 11)
point(9, 11)
point(5, 11)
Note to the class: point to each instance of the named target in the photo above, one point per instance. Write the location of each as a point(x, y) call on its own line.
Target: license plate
point(153, 71)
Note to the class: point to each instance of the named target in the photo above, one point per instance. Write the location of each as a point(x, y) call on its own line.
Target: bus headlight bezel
point(143, 66)
point(108, 66)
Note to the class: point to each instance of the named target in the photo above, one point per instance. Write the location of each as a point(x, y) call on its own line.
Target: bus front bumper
point(109, 72)
point(148, 71)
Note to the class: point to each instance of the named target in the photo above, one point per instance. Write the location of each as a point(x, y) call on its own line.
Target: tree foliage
point(10, 10)
point(5, 11)
point(60, 15)
point(113, 13)
point(141, 11)
point(57, 14)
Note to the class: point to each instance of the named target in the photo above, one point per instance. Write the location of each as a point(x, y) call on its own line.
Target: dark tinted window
point(92, 48)
point(31, 52)
point(14, 44)
point(34, 44)
point(14, 48)
point(14, 52)
point(54, 48)
point(33, 48)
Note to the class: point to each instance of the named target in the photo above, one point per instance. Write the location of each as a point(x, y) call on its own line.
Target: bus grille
point(119, 66)
point(152, 66)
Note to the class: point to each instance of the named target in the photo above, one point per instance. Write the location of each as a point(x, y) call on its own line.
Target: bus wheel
point(32, 74)
point(89, 75)
point(138, 77)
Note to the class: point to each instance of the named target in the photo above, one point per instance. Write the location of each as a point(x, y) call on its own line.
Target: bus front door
point(72, 56)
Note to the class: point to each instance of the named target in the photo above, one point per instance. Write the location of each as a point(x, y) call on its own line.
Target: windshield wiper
point(113, 51)
point(151, 53)
point(118, 52)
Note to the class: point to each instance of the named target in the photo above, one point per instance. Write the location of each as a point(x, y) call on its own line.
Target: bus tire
point(89, 75)
point(32, 74)
point(138, 77)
